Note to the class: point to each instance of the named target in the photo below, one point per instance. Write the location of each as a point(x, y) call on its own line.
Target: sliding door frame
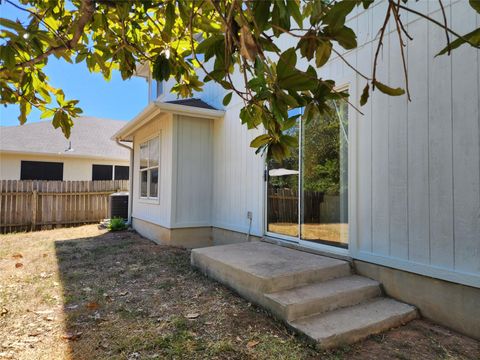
point(351, 193)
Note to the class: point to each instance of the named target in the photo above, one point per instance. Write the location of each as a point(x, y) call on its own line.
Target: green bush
point(117, 224)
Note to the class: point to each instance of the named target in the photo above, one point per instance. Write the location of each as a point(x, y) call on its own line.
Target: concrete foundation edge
point(188, 237)
point(452, 305)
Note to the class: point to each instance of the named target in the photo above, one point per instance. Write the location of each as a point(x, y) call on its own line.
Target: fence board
point(35, 205)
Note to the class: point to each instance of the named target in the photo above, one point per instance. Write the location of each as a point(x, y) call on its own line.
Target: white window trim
point(149, 199)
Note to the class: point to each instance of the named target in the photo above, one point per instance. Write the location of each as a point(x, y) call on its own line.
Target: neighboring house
point(400, 196)
point(38, 151)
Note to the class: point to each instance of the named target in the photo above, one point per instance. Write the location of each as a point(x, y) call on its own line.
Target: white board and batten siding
point(156, 211)
point(417, 164)
point(414, 167)
point(192, 172)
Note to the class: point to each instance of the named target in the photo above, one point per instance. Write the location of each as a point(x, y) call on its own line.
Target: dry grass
point(82, 293)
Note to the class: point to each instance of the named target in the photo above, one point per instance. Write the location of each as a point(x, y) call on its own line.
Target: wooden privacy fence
point(32, 205)
point(317, 206)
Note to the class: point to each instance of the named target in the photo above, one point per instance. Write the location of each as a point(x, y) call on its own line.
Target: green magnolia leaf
point(18, 27)
point(278, 151)
point(161, 68)
point(335, 17)
point(323, 53)
point(291, 122)
point(293, 7)
point(227, 99)
point(472, 37)
point(297, 81)
point(260, 140)
point(7, 55)
point(388, 90)
point(169, 18)
point(289, 140)
point(287, 61)
point(367, 3)
point(475, 4)
point(346, 38)
point(365, 95)
point(25, 108)
point(311, 112)
point(261, 13)
point(308, 44)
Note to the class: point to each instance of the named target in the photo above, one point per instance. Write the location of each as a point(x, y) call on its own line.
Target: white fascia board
point(124, 134)
point(190, 110)
point(157, 107)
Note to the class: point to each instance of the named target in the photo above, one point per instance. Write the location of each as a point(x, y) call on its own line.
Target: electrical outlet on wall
point(249, 215)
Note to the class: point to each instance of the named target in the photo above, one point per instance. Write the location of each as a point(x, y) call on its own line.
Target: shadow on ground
point(127, 298)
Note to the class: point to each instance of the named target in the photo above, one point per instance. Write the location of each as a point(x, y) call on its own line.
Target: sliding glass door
point(283, 205)
point(307, 194)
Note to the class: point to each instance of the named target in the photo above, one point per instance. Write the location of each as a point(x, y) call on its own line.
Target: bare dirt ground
point(83, 293)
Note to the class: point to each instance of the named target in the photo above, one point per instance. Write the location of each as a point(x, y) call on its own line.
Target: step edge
point(274, 296)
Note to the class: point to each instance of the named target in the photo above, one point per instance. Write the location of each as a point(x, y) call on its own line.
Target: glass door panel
point(324, 170)
point(282, 194)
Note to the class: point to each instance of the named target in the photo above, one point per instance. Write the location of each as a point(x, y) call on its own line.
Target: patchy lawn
point(83, 293)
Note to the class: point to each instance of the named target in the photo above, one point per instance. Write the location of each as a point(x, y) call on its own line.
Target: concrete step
point(351, 324)
point(256, 268)
point(321, 297)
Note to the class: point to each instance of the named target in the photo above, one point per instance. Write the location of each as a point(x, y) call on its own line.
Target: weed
point(117, 224)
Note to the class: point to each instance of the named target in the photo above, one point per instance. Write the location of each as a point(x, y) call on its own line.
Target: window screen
point(41, 170)
point(102, 172)
point(121, 172)
point(149, 168)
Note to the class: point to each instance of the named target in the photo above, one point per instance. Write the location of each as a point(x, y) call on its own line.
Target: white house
point(405, 205)
point(37, 151)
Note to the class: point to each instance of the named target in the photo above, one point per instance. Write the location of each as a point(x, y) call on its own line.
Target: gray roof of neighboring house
point(192, 102)
point(90, 137)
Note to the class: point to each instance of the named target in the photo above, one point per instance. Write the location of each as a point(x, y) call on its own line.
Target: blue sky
point(116, 99)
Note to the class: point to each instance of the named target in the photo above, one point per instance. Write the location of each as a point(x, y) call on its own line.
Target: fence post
point(34, 208)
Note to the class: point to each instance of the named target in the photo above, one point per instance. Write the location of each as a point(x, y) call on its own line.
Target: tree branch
point(87, 8)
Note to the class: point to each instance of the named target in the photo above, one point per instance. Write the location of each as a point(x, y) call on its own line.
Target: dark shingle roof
point(90, 137)
point(192, 102)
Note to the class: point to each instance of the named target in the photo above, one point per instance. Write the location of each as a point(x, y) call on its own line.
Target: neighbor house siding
point(73, 168)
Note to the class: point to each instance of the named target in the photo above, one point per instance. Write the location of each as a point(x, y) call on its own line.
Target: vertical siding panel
point(397, 150)
point(364, 153)
point(418, 185)
point(380, 232)
point(466, 170)
point(440, 149)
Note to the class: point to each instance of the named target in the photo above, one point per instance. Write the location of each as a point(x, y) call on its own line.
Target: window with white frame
point(149, 168)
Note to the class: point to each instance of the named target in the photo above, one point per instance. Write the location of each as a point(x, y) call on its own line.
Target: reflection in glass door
point(282, 194)
point(308, 200)
point(324, 204)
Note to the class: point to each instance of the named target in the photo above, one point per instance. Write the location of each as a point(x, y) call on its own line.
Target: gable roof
point(192, 102)
point(90, 137)
point(186, 107)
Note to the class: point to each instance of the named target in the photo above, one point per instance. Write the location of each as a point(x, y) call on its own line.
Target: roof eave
point(157, 107)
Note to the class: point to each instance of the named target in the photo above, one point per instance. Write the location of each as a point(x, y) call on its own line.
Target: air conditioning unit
point(118, 205)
